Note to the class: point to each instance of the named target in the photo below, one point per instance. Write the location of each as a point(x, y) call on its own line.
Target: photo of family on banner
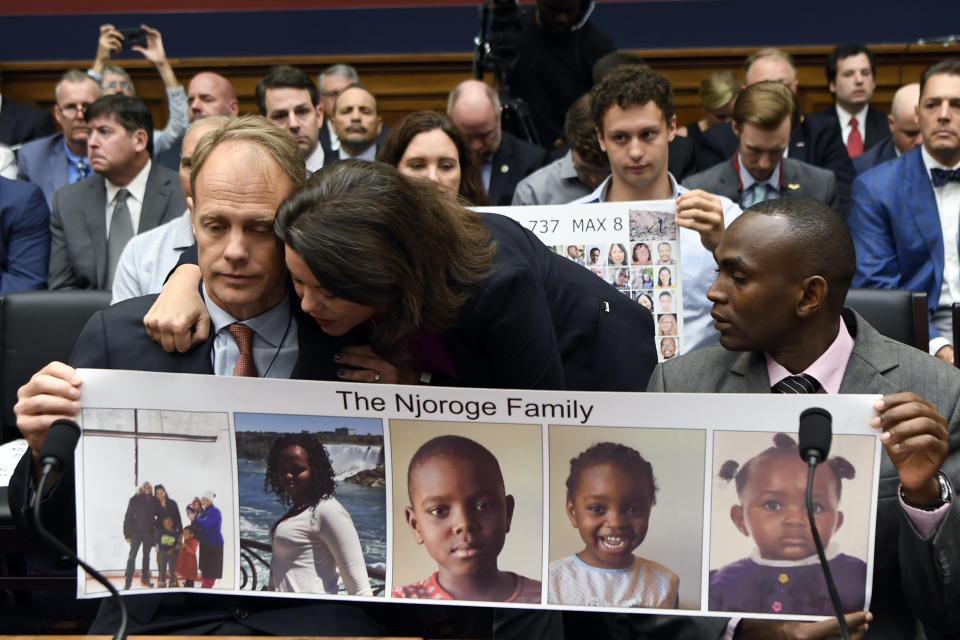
point(631, 245)
point(671, 503)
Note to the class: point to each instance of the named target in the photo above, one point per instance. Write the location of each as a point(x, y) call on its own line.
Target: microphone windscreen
point(815, 433)
point(59, 444)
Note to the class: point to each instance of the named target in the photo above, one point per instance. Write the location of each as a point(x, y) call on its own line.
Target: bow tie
point(941, 177)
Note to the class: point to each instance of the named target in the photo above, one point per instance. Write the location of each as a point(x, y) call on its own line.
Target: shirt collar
point(370, 154)
point(828, 369)
point(271, 325)
point(71, 156)
point(932, 163)
point(334, 140)
point(137, 187)
point(183, 232)
point(315, 161)
point(747, 180)
point(567, 170)
point(845, 117)
point(600, 193)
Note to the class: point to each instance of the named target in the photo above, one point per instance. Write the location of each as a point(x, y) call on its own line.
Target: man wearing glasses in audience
point(61, 159)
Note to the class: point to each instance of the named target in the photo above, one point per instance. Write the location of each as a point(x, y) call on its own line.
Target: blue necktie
point(941, 177)
point(83, 169)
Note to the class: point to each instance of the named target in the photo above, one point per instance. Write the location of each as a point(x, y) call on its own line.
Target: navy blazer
point(874, 129)
point(513, 161)
point(21, 122)
point(44, 163)
point(878, 154)
point(541, 321)
point(24, 237)
point(895, 224)
point(815, 142)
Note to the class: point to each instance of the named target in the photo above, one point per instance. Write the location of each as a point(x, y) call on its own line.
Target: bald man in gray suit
point(784, 270)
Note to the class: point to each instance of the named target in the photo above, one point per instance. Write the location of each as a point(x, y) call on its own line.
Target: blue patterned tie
point(941, 177)
point(83, 169)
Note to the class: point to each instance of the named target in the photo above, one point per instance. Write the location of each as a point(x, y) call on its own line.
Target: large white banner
point(675, 503)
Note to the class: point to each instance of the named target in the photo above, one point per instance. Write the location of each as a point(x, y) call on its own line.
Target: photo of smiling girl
point(610, 544)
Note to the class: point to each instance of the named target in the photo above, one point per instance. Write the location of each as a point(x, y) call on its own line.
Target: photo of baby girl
point(782, 573)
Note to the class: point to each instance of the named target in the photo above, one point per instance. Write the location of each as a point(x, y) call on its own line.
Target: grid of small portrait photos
point(644, 264)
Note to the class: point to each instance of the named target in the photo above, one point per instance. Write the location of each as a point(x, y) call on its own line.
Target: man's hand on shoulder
point(52, 393)
point(857, 623)
point(702, 212)
point(917, 439)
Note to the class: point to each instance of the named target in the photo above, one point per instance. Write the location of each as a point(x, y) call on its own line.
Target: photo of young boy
point(625, 517)
point(452, 499)
point(762, 484)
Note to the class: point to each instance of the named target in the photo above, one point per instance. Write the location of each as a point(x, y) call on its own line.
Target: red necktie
point(855, 140)
point(243, 335)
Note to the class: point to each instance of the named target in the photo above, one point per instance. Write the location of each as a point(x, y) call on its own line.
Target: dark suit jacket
point(21, 123)
point(513, 161)
point(114, 338)
point(24, 237)
point(329, 155)
point(44, 163)
point(913, 579)
point(874, 130)
point(895, 224)
point(541, 321)
point(682, 157)
point(78, 249)
point(878, 154)
point(814, 142)
point(796, 179)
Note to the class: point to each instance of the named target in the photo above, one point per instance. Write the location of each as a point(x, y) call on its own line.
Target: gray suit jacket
point(78, 226)
point(44, 163)
point(915, 581)
point(797, 179)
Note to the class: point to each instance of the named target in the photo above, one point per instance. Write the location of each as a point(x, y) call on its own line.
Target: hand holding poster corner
point(531, 542)
point(632, 245)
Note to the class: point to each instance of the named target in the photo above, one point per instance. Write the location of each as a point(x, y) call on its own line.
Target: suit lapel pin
point(793, 186)
point(504, 168)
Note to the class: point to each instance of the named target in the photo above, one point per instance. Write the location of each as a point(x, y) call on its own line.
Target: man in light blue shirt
point(633, 112)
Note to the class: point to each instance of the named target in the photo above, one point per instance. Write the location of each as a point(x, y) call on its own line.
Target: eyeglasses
point(70, 110)
point(331, 94)
point(123, 85)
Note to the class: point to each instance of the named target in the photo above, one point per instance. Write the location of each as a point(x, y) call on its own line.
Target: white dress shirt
point(845, 127)
point(948, 205)
point(137, 188)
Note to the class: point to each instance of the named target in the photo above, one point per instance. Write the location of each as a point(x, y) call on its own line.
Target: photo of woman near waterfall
point(312, 503)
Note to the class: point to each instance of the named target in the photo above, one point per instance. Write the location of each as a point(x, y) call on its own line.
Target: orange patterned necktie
point(243, 335)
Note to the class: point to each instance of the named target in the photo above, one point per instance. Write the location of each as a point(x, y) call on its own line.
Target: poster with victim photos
point(631, 245)
point(668, 503)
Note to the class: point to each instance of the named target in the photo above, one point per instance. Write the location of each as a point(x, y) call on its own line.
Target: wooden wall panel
point(405, 83)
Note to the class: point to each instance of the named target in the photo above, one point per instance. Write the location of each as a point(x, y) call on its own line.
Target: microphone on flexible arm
point(814, 445)
point(56, 451)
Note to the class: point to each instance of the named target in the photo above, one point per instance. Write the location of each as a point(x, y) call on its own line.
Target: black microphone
point(56, 450)
point(59, 444)
point(815, 435)
point(814, 445)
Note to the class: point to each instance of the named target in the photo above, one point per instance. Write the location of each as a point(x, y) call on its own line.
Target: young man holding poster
point(784, 270)
point(633, 113)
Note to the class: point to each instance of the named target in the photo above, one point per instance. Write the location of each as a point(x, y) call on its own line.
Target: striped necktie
point(797, 384)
